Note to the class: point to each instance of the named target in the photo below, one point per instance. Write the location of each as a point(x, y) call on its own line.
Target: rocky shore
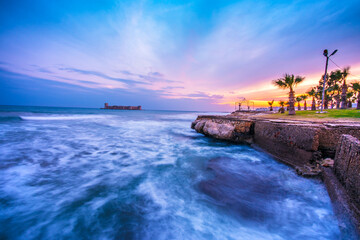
point(330, 150)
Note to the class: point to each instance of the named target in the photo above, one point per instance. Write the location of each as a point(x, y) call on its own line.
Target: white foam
point(63, 117)
point(188, 116)
point(156, 194)
point(166, 161)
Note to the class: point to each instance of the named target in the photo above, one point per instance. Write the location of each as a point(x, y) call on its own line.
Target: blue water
point(70, 173)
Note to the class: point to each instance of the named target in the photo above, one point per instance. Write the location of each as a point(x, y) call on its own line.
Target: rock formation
point(347, 166)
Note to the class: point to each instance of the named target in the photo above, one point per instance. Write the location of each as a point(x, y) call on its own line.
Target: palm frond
point(356, 86)
point(280, 83)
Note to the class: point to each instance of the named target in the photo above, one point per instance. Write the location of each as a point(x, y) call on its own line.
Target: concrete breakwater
point(304, 145)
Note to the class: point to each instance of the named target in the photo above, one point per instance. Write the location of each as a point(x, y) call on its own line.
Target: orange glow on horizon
point(263, 92)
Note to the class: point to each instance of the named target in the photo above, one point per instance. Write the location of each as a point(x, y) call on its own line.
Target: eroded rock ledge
point(303, 145)
point(294, 142)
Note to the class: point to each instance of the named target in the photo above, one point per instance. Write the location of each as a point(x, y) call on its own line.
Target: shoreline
point(322, 149)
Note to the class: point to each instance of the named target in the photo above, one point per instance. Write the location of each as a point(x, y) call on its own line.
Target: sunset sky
point(175, 55)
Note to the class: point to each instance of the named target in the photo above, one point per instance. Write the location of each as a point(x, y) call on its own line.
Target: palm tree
point(304, 97)
point(270, 104)
point(312, 94)
point(298, 99)
point(287, 105)
point(334, 80)
point(356, 87)
point(318, 95)
point(344, 87)
point(289, 82)
point(327, 100)
point(282, 103)
point(349, 96)
point(327, 90)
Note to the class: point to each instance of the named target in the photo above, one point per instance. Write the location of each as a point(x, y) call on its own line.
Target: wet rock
point(193, 124)
point(292, 143)
point(327, 162)
point(295, 143)
point(220, 131)
point(347, 214)
point(308, 171)
point(347, 166)
point(330, 134)
point(226, 129)
point(199, 126)
point(316, 157)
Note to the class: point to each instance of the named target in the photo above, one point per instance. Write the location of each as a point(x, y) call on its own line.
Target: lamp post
point(326, 65)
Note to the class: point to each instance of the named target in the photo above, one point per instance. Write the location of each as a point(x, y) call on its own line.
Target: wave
point(189, 116)
point(61, 117)
point(10, 118)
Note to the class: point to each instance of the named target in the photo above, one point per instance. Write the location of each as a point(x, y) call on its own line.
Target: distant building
point(106, 106)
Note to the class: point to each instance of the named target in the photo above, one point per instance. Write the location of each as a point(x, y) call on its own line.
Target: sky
point(169, 55)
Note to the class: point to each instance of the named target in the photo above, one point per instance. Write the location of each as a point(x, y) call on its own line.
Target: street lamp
point(326, 65)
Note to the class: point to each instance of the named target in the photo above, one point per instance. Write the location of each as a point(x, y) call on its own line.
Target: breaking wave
point(63, 117)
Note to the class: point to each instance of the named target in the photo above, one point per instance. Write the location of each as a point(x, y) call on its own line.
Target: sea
point(82, 173)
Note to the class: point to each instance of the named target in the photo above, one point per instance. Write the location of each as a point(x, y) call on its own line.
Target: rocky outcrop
point(347, 166)
point(330, 134)
point(219, 130)
point(235, 130)
point(293, 142)
point(290, 142)
point(343, 205)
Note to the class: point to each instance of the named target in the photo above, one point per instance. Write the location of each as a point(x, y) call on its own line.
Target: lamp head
point(325, 52)
point(333, 52)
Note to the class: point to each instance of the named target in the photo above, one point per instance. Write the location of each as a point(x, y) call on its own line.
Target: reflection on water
point(100, 174)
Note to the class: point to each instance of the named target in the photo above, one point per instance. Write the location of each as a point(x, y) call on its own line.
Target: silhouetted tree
point(298, 99)
point(270, 104)
point(356, 87)
point(312, 94)
point(289, 82)
point(345, 73)
point(334, 83)
point(282, 103)
point(304, 97)
point(350, 100)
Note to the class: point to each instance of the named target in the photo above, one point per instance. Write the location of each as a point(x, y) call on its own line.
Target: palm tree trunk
point(358, 101)
point(326, 103)
point(305, 107)
point(343, 96)
point(291, 103)
point(349, 104)
point(337, 100)
point(313, 104)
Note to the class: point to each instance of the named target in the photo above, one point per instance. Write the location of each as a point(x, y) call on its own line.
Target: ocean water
point(68, 173)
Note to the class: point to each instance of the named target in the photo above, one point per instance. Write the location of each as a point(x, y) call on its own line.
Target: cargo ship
point(106, 106)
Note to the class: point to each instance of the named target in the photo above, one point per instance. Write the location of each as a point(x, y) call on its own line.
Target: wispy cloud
point(156, 74)
point(102, 75)
point(204, 95)
point(203, 51)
